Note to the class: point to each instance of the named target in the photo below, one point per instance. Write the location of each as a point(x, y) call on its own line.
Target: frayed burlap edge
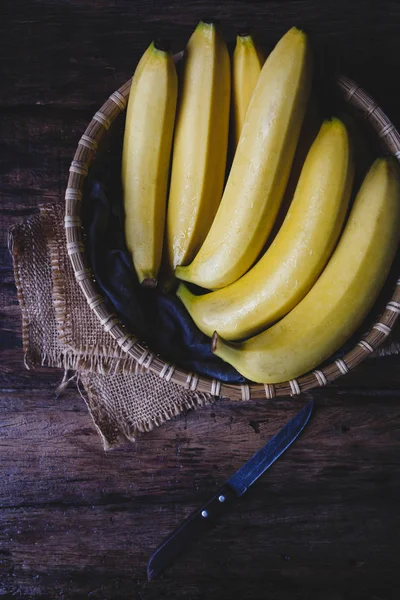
point(111, 430)
point(14, 247)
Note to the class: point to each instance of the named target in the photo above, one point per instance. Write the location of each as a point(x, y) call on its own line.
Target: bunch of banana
point(146, 158)
point(299, 252)
point(260, 168)
point(297, 300)
point(341, 298)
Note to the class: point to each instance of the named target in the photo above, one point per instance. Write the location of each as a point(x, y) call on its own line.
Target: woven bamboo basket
point(102, 121)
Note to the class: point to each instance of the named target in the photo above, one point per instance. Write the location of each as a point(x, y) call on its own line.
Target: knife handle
point(197, 522)
point(214, 508)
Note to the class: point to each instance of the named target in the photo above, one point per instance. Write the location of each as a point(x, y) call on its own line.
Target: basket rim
point(102, 120)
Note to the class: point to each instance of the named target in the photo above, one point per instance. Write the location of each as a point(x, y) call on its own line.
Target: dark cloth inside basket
point(159, 320)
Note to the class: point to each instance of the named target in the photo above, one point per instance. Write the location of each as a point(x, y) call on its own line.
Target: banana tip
point(180, 272)
point(149, 282)
point(214, 342)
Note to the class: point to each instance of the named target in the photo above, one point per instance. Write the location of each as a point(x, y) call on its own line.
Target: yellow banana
point(200, 144)
point(298, 254)
point(146, 159)
point(260, 168)
point(311, 125)
point(341, 298)
point(247, 62)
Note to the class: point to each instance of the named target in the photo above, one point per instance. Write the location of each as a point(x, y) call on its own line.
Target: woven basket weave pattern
point(87, 146)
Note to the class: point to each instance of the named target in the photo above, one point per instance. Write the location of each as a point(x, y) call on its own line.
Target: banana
point(247, 62)
point(260, 168)
point(341, 298)
point(298, 254)
point(200, 144)
point(146, 158)
point(311, 125)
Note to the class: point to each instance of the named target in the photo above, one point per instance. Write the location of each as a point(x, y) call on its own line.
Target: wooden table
point(77, 522)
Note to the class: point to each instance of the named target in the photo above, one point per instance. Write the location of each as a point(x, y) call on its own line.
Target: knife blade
point(206, 516)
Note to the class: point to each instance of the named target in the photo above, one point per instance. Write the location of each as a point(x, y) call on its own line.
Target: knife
point(206, 516)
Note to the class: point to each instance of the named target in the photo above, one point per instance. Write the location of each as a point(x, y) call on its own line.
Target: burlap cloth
point(60, 330)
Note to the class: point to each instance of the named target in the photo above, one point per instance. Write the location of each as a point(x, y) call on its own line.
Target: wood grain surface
point(76, 522)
